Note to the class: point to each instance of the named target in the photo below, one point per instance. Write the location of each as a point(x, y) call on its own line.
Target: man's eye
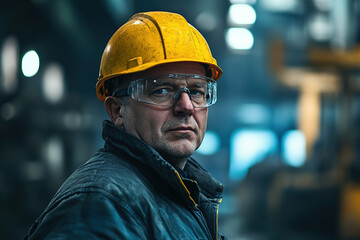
point(161, 91)
point(197, 92)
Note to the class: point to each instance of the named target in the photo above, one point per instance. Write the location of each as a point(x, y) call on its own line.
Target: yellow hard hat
point(150, 39)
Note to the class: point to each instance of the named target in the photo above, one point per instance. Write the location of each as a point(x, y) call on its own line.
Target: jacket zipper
point(184, 186)
point(196, 206)
point(217, 220)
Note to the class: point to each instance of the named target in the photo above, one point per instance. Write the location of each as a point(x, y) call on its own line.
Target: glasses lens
point(164, 90)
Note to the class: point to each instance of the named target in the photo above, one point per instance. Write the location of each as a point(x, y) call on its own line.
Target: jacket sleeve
point(89, 216)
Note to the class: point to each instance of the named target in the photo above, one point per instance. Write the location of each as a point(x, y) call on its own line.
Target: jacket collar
point(124, 144)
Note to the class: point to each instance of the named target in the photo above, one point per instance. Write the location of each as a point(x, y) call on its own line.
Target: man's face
point(175, 132)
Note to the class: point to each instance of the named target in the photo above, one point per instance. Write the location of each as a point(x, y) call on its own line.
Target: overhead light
point(294, 148)
point(53, 83)
point(320, 28)
point(252, 113)
point(239, 39)
point(243, 1)
point(323, 5)
point(283, 5)
point(30, 63)
point(53, 152)
point(241, 14)
point(210, 144)
point(9, 64)
point(248, 147)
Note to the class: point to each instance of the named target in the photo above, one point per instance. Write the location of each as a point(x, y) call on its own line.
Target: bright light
point(53, 83)
point(323, 5)
point(243, 1)
point(9, 64)
point(252, 113)
point(241, 14)
point(320, 27)
point(248, 147)
point(30, 63)
point(54, 154)
point(294, 148)
point(283, 5)
point(239, 38)
point(210, 144)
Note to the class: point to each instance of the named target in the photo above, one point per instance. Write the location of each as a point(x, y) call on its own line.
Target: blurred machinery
point(290, 66)
point(320, 200)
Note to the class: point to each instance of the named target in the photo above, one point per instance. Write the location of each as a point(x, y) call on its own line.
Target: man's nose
point(183, 104)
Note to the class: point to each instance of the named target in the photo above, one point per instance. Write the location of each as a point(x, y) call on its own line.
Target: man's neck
point(178, 163)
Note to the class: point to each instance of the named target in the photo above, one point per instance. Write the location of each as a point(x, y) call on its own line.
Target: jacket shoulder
point(107, 174)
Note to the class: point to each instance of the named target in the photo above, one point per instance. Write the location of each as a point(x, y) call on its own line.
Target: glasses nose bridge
point(178, 94)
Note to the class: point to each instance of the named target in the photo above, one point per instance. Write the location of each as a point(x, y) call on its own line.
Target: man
point(157, 79)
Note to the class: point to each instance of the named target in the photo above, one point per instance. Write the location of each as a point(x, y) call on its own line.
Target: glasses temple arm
point(120, 93)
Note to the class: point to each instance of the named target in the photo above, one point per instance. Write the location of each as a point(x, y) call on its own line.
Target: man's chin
point(180, 149)
point(185, 145)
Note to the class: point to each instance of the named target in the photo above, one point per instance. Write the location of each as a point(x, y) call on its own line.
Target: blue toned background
point(283, 137)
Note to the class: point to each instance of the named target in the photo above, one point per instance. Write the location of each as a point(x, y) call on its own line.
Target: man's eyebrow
point(196, 83)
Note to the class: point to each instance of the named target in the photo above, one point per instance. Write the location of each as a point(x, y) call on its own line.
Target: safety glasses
point(165, 90)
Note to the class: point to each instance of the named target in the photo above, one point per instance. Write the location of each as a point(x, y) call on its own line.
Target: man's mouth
point(180, 129)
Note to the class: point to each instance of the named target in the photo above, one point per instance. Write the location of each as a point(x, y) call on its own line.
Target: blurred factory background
point(284, 136)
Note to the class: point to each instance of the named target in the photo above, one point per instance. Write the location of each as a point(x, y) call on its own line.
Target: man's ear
point(114, 109)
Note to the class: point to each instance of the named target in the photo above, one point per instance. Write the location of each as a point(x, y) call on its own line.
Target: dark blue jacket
point(128, 191)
